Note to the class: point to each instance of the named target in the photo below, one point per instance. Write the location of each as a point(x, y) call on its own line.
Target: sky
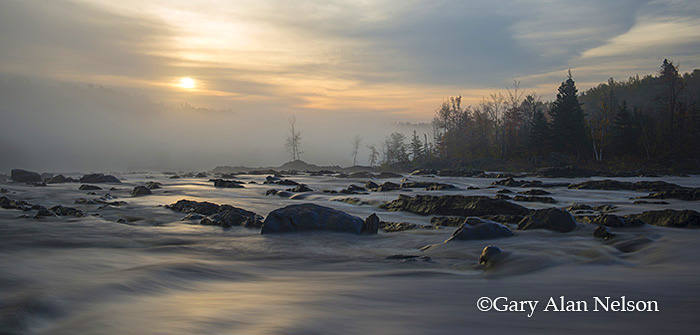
point(336, 65)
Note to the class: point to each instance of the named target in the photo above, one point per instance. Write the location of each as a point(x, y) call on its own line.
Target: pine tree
point(624, 132)
point(539, 133)
point(568, 120)
point(416, 146)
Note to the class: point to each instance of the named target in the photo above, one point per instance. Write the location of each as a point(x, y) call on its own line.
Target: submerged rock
point(670, 218)
point(96, 178)
point(480, 229)
point(550, 218)
point(67, 211)
point(24, 176)
point(603, 232)
point(139, 191)
point(311, 217)
point(489, 254)
point(455, 205)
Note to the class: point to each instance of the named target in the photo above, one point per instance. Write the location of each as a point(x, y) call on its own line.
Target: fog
point(63, 127)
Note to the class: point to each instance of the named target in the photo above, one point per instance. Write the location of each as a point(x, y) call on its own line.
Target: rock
point(603, 232)
point(86, 187)
point(122, 220)
point(532, 198)
point(223, 183)
point(455, 205)
point(534, 191)
point(504, 218)
point(680, 194)
point(354, 201)
point(579, 207)
point(391, 227)
point(43, 212)
point(174, 177)
point(422, 172)
point(84, 201)
point(67, 211)
point(645, 202)
point(385, 175)
point(447, 221)
point(8, 203)
point(59, 179)
point(609, 184)
point(24, 176)
point(387, 186)
point(501, 196)
point(504, 191)
point(670, 218)
point(189, 206)
point(310, 217)
point(371, 225)
point(97, 178)
point(480, 229)
point(489, 254)
point(153, 185)
point(300, 188)
point(550, 218)
point(370, 185)
point(611, 220)
point(459, 173)
point(140, 191)
point(193, 217)
point(37, 184)
point(229, 216)
point(564, 172)
point(202, 175)
point(440, 186)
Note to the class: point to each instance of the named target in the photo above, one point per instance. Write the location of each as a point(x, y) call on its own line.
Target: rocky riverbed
point(134, 253)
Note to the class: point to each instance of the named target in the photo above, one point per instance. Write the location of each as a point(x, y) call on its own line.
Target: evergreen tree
point(568, 120)
point(624, 132)
point(539, 133)
point(416, 146)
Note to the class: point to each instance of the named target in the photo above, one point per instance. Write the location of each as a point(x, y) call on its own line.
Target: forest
point(649, 122)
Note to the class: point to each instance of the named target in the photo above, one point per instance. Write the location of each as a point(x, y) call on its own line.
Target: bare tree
point(355, 148)
point(293, 143)
point(373, 155)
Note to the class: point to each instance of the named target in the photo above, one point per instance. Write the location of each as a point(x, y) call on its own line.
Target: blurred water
point(158, 275)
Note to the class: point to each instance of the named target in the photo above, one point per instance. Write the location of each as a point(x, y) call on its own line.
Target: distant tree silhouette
point(568, 120)
point(293, 142)
point(355, 148)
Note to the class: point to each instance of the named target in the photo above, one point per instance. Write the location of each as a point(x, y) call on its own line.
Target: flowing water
point(156, 274)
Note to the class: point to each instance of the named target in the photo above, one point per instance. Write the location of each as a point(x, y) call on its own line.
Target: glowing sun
point(187, 82)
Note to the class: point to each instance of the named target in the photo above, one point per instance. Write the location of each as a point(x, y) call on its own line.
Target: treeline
point(654, 120)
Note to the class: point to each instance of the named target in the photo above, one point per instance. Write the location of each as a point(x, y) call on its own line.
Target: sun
point(187, 82)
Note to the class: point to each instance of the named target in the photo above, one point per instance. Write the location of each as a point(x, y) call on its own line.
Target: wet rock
point(140, 191)
point(229, 216)
point(59, 179)
point(204, 175)
point(42, 184)
point(310, 217)
point(670, 218)
point(25, 176)
point(605, 208)
point(603, 232)
point(460, 173)
point(193, 217)
point(43, 212)
point(391, 227)
point(354, 189)
point(611, 220)
point(152, 185)
point(564, 172)
point(579, 207)
point(422, 172)
point(300, 188)
point(97, 178)
point(609, 184)
point(354, 201)
point(447, 221)
point(84, 201)
point(680, 194)
point(371, 225)
point(174, 177)
point(646, 202)
point(223, 183)
point(439, 187)
point(86, 187)
point(370, 185)
point(386, 187)
point(550, 218)
point(189, 206)
point(480, 229)
point(504, 191)
point(503, 196)
point(534, 191)
point(455, 205)
point(533, 198)
point(67, 211)
point(490, 254)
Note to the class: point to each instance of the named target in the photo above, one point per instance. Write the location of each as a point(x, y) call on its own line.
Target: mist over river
point(152, 273)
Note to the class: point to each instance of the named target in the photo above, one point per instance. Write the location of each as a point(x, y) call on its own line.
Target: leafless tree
point(293, 143)
point(355, 148)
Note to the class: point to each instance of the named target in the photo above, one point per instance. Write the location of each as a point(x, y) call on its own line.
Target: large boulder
point(310, 217)
point(99, 178)
point(140, 191)
point(455, 205)
point(550, 218)
point(670, 218)
point(480, 229)
point(24, 176)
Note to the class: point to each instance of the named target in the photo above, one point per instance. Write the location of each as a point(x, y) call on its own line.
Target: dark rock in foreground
point(371, 225)
point(218, 215)
point(480, 229)
point(140, 191)
point(24, 176)
point(311, 217)
point(8, 203)
point(550, 218)
point(99, 178)
point(455, 205)
point(670, 218)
